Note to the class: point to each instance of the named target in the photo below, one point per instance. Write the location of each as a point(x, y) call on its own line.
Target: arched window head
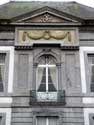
point(46, 75)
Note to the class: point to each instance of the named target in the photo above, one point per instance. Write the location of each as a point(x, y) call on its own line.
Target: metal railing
point(56, 98)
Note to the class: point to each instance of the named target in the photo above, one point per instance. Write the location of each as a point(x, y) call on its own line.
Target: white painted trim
point(11, 70)
point(11, 65)
point(82, 65)
point(47, 121)
point(88, 100)
point(87, 111)
point(46, 65)
point(5, 100)
point(8, 115)
point(46, 79)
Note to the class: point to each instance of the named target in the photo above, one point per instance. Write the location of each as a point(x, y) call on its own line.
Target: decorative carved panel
point(46, 18)
point(63, 36)
point(27, 37)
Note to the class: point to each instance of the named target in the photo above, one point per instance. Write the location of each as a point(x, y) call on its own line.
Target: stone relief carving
point(26, 36)
point(46, 18)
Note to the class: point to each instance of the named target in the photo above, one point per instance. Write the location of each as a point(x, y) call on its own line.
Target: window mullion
point(42, 66)
point(47, 121)
point(51, 65)
point(46, 78)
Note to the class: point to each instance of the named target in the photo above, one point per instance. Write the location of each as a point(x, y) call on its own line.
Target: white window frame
point(7, 112)
point(9, 49)
point(87, 111)
point(83, 50)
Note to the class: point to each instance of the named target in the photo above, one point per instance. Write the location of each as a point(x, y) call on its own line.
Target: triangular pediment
point(45, 15)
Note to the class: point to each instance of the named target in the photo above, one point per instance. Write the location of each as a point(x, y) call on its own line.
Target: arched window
point(46, 74)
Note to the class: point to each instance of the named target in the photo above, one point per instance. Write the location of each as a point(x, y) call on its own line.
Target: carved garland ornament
point(46, 34)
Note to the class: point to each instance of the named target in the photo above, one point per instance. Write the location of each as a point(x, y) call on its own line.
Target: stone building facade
point(46, 63)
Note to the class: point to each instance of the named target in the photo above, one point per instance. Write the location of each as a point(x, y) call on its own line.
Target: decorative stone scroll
point(29, 36)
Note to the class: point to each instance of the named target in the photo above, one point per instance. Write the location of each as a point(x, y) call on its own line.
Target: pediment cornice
point(45, 15)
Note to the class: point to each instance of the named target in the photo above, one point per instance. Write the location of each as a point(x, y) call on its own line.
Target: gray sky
point(85, 2)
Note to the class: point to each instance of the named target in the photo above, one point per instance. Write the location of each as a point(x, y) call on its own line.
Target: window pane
point(92, 74)
point(53, 120)
point(2, 68)
point(91, 119)
point(52, 79)
point(46, 74)
point(41, 120)
point(91, 58)
point(91, 68)
point(47, 60)
point(0, 120)
point(41, 79)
